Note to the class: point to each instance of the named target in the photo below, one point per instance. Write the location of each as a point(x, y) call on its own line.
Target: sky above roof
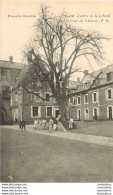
point(18, 17)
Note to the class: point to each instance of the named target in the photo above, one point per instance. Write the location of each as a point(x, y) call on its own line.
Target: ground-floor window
point(79, 114)
point(35, 111)
point(110, 112)
point(95, 113)
point(49, 111)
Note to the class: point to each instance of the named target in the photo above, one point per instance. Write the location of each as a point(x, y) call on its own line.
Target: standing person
point(51, 125)
point(23, 124)
point(40, 124)
point(35, 124)
point(20, 123)
point(70, 123)
point(44, 124)
point(55, 125)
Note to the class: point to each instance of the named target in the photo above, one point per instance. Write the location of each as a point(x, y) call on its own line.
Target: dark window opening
point(109, 94)
point(47, 97)
point(35, 111)
point(78, 100)
point(49, 111)
point(95, 97)
point(86, 99)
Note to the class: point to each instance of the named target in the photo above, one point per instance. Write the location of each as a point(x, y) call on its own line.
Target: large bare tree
point(56, 47)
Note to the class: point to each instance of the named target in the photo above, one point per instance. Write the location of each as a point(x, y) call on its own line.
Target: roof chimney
point(85, 72)
point(29, 56)
point(11, 59)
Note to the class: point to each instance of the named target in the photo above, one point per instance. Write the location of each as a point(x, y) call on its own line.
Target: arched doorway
point(2, 118)
point(110, 112)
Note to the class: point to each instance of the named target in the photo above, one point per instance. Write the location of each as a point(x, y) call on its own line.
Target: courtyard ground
point(99, 128)
point(34, 157)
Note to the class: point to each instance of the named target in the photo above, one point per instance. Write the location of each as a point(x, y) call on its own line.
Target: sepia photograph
point(56, 91)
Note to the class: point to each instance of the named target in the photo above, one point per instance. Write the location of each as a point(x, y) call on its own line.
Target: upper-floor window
point(19, 96)
point(5, 88)
point(74, 100)
point(95, 97)
point(78, 100)
point(109, 76)
point(47, 97)
point(6, 92)
point(3, 72)
point(86, 99)
point(109, 93)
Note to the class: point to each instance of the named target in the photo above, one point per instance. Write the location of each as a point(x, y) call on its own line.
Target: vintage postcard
point(56, 91)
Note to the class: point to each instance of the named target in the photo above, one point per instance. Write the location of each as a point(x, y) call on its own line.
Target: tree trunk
point(62, 107)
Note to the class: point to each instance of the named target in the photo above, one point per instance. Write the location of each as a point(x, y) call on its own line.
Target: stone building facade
point(30, 107)
point(93, 99)
point(9, 71)
point(95, 96)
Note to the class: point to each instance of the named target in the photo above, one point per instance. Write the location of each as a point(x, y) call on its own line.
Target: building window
point(109, 93)
point(37, 98)
point(94, 97)
point(49, 111)
point(74, 100)
point(16, 97)
point(78, 100)
point(35, 111)
point(19, 96)
point(5, 88)
point(109, 76)
point(110, 112)
point(86, 99)
point(47, 97)
point(79, 114)
point(3, 72)
point(86, 113)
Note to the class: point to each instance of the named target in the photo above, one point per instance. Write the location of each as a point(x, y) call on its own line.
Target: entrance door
point(1, 118)
point(56, 113)
point(110, 112)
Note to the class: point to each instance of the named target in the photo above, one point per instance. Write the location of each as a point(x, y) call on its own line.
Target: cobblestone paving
point(100, 140)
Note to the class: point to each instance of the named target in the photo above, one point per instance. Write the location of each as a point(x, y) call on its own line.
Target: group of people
point(22, 124)
point(43, 124)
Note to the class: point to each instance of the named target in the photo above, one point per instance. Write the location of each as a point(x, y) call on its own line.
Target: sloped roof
point(7, 64)
point(31, 68)
point(96, 78)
